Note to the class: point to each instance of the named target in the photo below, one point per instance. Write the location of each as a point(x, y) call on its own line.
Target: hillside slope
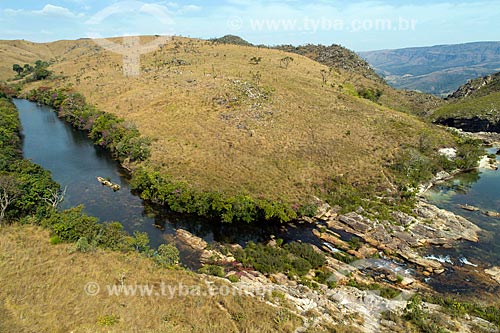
point(25, 52)
point(437, 69)
point(474, 107)
point(232, 118)
point(478, 87)
point(59, 299)
point(352, 65)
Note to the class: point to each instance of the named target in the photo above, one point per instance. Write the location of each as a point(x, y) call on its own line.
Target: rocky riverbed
point(346, 305)
point(429, 226)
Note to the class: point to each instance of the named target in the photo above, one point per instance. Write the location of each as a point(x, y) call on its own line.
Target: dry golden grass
point(215, 129)
point(42, 290)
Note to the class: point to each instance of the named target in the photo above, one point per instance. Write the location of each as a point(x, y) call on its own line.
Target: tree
point(41, 73)
point(9, 191)
point(167, 255)
point(17, 68)
point(27, 68)
point(284, 62)
point(55, 197)
point(255, 60)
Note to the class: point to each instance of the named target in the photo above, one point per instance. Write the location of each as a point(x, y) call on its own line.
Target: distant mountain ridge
point(439, 69)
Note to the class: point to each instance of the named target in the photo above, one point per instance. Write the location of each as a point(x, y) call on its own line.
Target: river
point(479, 189)
point(75, 162)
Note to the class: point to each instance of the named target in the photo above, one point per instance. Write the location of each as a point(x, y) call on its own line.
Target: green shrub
point(181, 198)
point(112, 236)
point(371, 94)
point(307, 252)
point(140, 242)
point(292, 259)
point(167, 255)
point(233, 278)
point(83, 245)
point(72, 224)
point(417, 315)
point(54, 240)
point(355, 243)
point(212, 270)
point(300, 266)
point(108, 320)
point(307, 210)
point(325, 277)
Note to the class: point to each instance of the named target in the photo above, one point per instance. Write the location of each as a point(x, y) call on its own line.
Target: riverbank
point(180, 198)
point(307, 286)
point(131, 149)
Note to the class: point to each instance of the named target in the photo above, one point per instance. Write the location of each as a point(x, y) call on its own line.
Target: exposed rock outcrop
point(105, 182)
point(335, 56)
point(473, 124)
point(494, 272)
point(199, 245)
point(431, 226)
point(477, 86)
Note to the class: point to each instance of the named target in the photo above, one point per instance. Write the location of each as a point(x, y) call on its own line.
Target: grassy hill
point(439, 69)
point(234, 119)
point(350, 63)
point(43, 290)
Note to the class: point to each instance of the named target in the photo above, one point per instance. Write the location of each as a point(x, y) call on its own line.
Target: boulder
point(193, 241)
point(494, 272)
point(356, 222)
point(491, 214)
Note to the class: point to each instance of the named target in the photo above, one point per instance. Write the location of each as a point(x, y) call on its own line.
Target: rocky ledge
point(347, 305)
point(429, 226)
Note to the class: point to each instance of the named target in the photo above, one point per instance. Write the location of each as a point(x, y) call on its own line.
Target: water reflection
point(479, 189)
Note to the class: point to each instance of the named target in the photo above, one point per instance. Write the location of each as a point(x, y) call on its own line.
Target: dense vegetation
point(32, 73)
point(182, 198)
point(24, 185)
point(294, 259)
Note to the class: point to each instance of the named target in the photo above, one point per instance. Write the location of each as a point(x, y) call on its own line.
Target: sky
point(360, 25)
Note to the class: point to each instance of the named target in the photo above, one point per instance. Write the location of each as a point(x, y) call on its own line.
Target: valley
point(218, 145)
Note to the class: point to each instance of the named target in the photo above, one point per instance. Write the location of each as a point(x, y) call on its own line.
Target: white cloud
point(51, 10)
point(12, 12)
point(158, 11)
point(189, 8)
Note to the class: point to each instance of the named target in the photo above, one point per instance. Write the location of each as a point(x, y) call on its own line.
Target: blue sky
point(357, 24)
